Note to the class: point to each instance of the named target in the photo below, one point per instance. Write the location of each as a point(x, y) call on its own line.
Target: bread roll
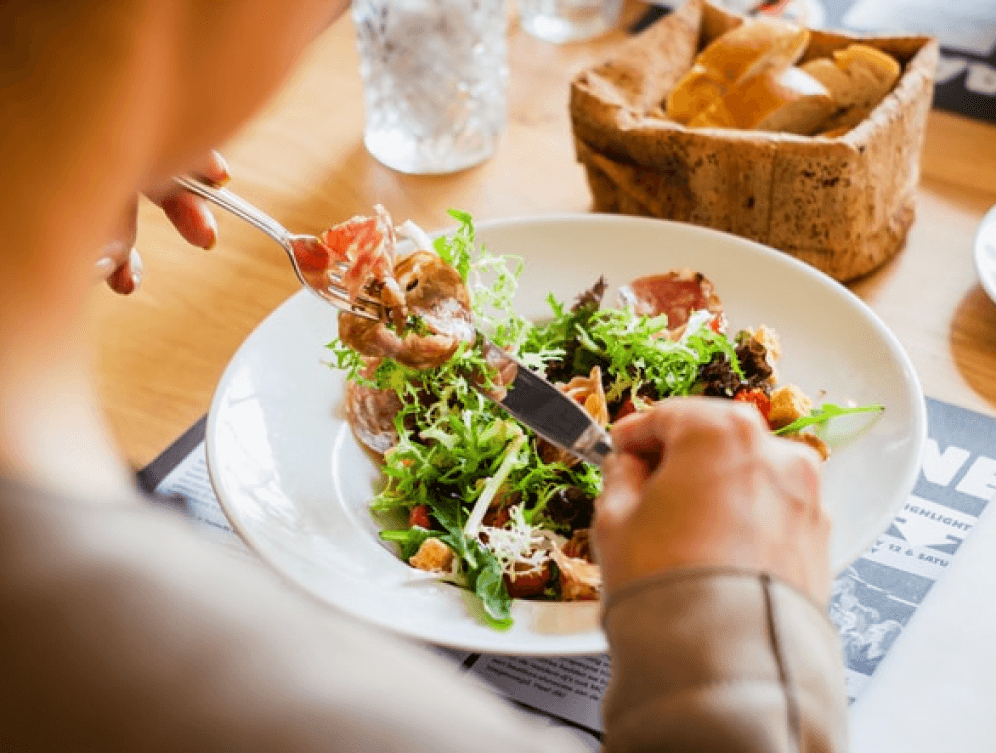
point(858, 78)
point(756, 46)
point(751, 49)
point(872, 72)
point(843, 205)
point(833, 78)
point(791, 101)
point(696, 90)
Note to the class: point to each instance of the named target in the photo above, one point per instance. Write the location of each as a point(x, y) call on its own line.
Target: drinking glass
point(435, 77)
point(568, 20)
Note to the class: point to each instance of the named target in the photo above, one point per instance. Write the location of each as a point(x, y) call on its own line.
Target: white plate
point(295, 484)
point(985, 253)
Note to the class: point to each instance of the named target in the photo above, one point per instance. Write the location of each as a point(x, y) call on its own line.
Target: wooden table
point(162, 350)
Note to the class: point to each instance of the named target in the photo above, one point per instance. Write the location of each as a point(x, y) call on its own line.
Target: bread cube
point(433, 556)
point(788, 403)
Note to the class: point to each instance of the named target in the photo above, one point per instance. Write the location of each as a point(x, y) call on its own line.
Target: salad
point(470, 494)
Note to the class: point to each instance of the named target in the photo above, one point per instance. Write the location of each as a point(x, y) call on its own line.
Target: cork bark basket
point(842, 204)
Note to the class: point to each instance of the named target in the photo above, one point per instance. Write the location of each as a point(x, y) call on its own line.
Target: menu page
point(872, 602)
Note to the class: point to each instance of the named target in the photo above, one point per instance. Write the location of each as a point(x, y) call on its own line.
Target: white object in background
point(966, 25)
point(568, 20)
point(936, 689)
point(296, 485)
point(985, 253)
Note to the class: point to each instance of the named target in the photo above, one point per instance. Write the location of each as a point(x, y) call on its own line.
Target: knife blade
point(533, 401)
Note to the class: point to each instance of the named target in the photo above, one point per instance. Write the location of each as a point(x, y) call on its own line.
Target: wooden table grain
point(161, 351)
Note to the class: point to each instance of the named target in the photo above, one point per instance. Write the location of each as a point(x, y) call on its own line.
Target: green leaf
point(458, 249)
point(489, 585)
point(409, 540)
point(823, 414)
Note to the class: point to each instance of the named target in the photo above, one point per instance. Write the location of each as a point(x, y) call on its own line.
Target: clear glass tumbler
point(568, 20)
point(435, 80)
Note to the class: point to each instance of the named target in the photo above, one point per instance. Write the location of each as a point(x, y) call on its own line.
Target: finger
point(104, 268)
point(214, 169)
point(127, 277)
point(191, 217)
point(122, 240)
point(624, 477)
point(646, 434)
point(796, 470)
point(112, 256)
point(680, 419)
point(638, 434)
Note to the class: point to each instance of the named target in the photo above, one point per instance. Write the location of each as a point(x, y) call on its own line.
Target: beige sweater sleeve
point(712, 660)
point(121, 629)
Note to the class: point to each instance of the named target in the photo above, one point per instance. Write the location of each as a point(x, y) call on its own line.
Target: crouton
point(787, 404)
point(433, 556)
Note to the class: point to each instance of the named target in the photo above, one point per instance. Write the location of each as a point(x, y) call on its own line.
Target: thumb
point(623, 478)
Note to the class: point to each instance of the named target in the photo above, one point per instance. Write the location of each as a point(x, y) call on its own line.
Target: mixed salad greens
point(503, 515)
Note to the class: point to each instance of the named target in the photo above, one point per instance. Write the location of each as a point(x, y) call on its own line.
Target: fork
point(321, 279)
point(528, 397)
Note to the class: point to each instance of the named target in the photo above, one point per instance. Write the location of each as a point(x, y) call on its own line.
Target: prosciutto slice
point(420, 284)
point(369, 246)
point(371, 412)
point(676, 294)
point(435, 292)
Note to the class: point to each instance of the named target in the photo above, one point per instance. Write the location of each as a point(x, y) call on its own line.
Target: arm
point(716, 659)
point(713, 545)
point(123, 630)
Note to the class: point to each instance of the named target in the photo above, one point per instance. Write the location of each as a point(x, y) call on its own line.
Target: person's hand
point(703, 482)
point(120, 263)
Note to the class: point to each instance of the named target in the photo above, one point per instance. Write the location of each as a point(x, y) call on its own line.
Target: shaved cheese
point(519, 547)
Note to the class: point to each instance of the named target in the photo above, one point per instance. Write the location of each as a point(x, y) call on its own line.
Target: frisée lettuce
point(511, 511)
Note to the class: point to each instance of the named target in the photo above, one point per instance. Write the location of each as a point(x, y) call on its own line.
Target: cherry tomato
point(533, 583)
point(419, 516)
point(625, 409)
point(496, 517)
point(756, 396)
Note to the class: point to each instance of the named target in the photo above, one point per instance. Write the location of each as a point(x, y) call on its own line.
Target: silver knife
point(533, 401)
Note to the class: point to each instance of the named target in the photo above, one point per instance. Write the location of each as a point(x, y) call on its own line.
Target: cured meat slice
point(368, 246)
point(580, 577)
point(676, 294)
point(371, 413)
point(433, 291)
point(419, 284)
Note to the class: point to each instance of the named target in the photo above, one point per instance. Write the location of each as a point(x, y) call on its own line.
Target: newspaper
point(872, 602)
point(965, 81)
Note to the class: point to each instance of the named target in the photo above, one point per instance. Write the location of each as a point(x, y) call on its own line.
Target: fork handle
point(239, 207)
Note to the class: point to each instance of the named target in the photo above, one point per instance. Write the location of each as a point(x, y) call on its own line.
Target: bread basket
point(841, 203)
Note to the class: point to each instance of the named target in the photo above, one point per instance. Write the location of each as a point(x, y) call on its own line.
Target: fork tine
point(364, 307)
point(340, 290)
